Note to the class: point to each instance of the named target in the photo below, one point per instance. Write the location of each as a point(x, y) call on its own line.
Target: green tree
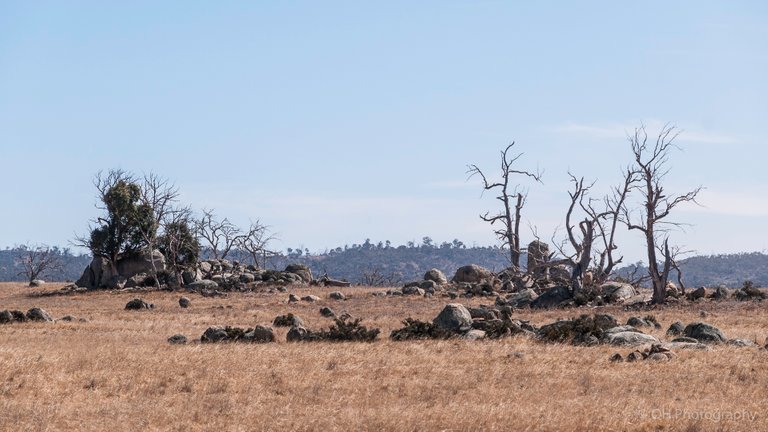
point(121, 230)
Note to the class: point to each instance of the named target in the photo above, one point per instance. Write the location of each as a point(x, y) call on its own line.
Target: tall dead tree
point(651, 165)
point(255, 242)
point(219, 235)
point(37, 261)
point(159, 195)
point(596, 224)
point(513, 200)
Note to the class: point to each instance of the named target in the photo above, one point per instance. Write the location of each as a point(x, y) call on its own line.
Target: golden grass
point(117, 372)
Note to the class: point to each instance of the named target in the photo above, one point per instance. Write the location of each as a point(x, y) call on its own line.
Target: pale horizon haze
point(333, 122)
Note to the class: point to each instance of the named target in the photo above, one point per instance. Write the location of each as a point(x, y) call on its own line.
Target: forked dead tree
point(651, 164)
point(513, 200)
point(597, 224)
point(219, 235)
point(255, 242)
point(159, 195)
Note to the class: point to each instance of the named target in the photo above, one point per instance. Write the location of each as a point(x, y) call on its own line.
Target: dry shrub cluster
point(117, 372)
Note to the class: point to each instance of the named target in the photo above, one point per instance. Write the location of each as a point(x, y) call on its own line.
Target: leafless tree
point(597, 224)
point(179, 242)
point(513, 199)
point(255, 242)
point(375, 277)
point(38, 260)
point(219, 235)
point(160, 196)
point(651, 164)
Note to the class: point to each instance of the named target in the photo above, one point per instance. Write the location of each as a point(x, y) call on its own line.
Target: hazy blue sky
point(336, 121)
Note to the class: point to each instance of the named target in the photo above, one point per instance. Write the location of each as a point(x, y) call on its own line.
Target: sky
point(333, 122)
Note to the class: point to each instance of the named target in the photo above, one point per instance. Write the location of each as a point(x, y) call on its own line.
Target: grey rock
point(37, 314)
point(311, 298)
point(297, 334)
point(454, 317)
point(37, 283)
point(301, 270)
point(629, 338)
point(177, 339)
point(205, 284)
point(138, 304)
point(704, 333)
point(336, 295)
point(327, 312)
point(472, 273)
point(412, 290)
point(184, 302)
point(676, 329)
point(436, 276)
point(474, 335)
point(552, 297)
point(214, 334)
point(617, 291)
point(522, 299)
point(261, 334)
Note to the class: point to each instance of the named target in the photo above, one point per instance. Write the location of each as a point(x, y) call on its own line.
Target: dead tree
point(597, 224)
point(255, 241)
point(37, 261)
point(513, 200)
point(651, 166)
point(582, 248)
point(219, 236)
point(159, 195)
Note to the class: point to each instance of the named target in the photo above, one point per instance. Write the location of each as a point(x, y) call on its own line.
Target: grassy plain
point(117, 372)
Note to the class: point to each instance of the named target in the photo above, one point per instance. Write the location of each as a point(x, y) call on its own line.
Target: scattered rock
point(742, 343)
point(412, 290)
point(629, 338)
point(177, 339)
point(522, 299)
point(37, 283)
point(436, 276)
point(293, 298)
point(617, 291)
point(260, 334)
point(474, 335)
point(454, 318)
point(337, 295)
point(704, 333)
point(472, 273)
point(297, 334)
point(37, 314)
point(552, 297)
point(184, 302)
point(311, 298)
point(301, 270)
point(698, 293)
point(616, 358)
point(288, 320)
point(676, 329)
point(204, 284)
point(138, 304)
point(214, 334)
point(327, 312)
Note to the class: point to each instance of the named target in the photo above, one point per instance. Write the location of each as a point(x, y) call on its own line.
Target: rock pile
point(258, 334)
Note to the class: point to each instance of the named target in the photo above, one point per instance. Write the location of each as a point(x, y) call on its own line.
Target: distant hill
point(384, 264)
point(730, 270)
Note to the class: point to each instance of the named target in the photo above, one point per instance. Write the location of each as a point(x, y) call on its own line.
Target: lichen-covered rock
point(184, 302)
point(704, 333)
point(617, 291)
point(454, 317)
point(138, 304)
point(337, 295)
point(37, 314)
point(472, 273)
point(177, 339)
point(436, 276)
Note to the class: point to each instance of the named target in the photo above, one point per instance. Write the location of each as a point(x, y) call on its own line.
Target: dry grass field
point(117, 371)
